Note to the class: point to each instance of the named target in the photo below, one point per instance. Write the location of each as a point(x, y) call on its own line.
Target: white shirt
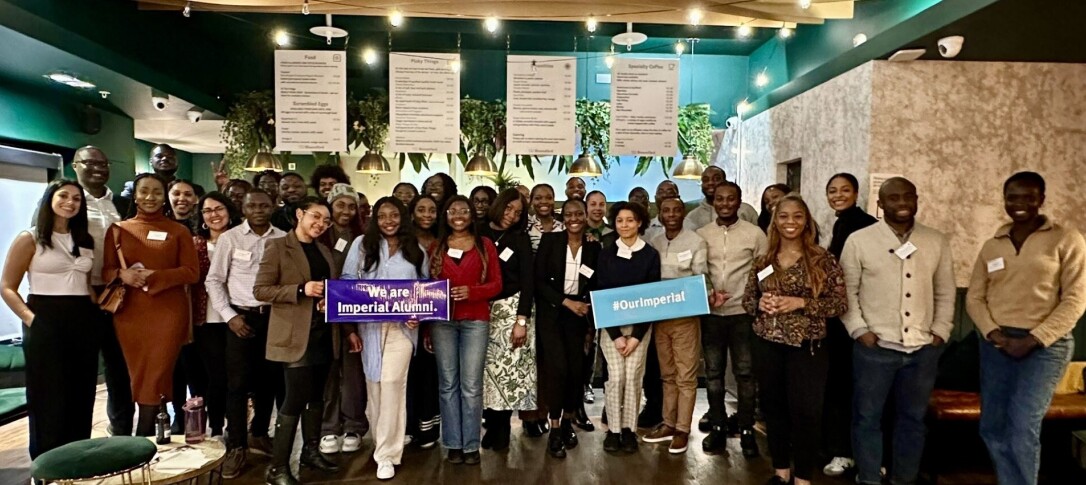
point(211, 316)
point(573, 270)
point(56, 272)
point(234, 266)
point(101, 213)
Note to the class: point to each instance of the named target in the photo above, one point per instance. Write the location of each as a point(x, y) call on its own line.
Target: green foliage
point(502, 181)
point(594, 124)
point(370, 128)
point(249, 126)
point(482, 127)
point(696, 132)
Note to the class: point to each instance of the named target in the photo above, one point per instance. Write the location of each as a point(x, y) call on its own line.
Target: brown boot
point(679, 443)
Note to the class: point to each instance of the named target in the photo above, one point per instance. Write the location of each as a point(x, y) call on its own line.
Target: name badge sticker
point(586, 271)
point(455, 253)
point(506, 254)
point(156, 236)
point(685, 256)
point(905, 250)
point(996, 265)
point(341, 245)
point(763, 274)
point(243, 255)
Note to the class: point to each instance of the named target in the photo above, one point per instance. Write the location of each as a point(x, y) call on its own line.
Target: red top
point(466, 273)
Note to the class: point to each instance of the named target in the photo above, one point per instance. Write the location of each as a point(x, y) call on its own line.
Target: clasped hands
point(136, 277)
point(776, 304)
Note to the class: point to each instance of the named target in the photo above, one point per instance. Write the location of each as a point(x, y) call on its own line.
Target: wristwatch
point(522, 321)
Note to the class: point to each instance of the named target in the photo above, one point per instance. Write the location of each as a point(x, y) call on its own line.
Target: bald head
point(898, 201)
point(895, 184)
point(91, 169)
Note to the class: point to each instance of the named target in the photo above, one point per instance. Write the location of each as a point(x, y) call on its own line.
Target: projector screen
point(21, 188)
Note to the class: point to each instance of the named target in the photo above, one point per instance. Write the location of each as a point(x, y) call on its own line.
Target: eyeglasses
point(320, 217)
point(218, 210)
point(95, 163)
point(460, 212)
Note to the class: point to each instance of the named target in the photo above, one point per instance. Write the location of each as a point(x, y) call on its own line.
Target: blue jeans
point(1014, 396)
point(878, 374)
point(460, 348)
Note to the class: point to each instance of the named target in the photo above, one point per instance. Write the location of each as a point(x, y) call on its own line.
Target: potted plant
point(481, 123)
point(249, 128)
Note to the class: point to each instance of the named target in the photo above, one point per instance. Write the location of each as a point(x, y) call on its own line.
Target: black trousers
point(305, 386)
point(188, 372)
point(423, 413)
point(563, 340)
point(210, 342)
point(837, 410)
point(61, 351)
point(120, 407)
point(653, 386)
point(791, 383)
point(247, 371)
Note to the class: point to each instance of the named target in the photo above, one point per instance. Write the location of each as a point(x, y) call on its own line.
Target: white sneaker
point(351, 442)
point(838, 466)
point(408, 439)
point(330, 444)
point(385, 470)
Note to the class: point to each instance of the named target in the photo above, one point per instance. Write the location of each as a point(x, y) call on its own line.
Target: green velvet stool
point(94, 458)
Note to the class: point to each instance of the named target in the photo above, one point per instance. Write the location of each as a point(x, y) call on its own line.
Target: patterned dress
point(535, 230)
point(510, 377)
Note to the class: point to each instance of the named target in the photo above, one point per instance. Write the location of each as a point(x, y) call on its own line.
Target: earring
point(204, 226)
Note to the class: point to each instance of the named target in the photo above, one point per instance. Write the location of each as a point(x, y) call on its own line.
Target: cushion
point(12, 358)
point(12, 400)
point(965, 406)
point(93, 458)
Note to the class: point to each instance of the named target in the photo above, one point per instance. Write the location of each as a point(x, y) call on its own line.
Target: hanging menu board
point(540, 111)
point(310, 101)
point(424, 102)
point(644, 107)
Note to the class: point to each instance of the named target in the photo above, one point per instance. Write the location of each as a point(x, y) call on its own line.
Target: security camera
point(160, 102)
point(732, 122)
point(195, 114)
point(949, 47)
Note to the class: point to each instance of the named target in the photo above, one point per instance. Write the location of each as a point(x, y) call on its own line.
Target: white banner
point(644, 107)
point(541, 113)
point(424, 102)
point(310, 101)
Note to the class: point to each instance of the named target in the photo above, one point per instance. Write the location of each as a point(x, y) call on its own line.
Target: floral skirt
point(509, 381)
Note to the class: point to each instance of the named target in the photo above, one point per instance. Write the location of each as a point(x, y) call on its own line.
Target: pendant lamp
point(372, 163)
point(480, 165)
point(585, 166)
point(689, 169)
point(263, 160)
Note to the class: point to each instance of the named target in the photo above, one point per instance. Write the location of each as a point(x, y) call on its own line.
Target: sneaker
point(555, 446)
point(716, 442)
point(407, 439)
point(233, 464)
point(385, 470)
point(589, 395)
point(612, 442)
point(261, 445)
point(455, 457)
point(629, 441)
point(351, 442)
point(471, 458)
point(704, 425)
point(748, 443)
point(679, 443)
point(838, 466)
point(330, 444)
point(659, 434)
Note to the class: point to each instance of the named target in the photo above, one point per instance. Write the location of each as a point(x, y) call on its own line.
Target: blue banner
point(650, 302)
point(354, 301)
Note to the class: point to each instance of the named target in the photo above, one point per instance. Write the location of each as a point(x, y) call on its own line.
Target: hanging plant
point(481, 123)
point(503, 181)
point(372, 122)
point(249, 126)
point(696, 132)
point(594, 125)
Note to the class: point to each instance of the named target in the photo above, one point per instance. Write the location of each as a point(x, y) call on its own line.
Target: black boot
point(488, 424)
point(580, 419)
point(569, 437)
point(145, 426)
point(500, 429)
point(311, 435)
point(555, 446)
point(278, 472)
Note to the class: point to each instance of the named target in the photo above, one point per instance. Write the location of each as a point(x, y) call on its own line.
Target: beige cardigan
point(904, 302)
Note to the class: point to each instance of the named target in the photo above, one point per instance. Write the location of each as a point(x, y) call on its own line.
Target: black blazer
point(550, 273)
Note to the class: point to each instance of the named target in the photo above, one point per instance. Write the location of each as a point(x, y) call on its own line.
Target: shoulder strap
point(117, 245)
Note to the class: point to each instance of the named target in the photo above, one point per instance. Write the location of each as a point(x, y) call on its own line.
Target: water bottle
point(195, 417)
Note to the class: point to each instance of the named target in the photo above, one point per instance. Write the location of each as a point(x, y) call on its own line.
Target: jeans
point(1014, 396)
point(879, 374)
point(460, 348)
point(718, 336)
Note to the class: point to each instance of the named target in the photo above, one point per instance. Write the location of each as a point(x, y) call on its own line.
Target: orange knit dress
point(152, 325)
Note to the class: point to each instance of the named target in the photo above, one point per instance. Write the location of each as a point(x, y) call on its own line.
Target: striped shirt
point(234, 266)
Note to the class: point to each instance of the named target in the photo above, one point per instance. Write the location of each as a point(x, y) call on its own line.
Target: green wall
point(142, 156)
point(43, 116)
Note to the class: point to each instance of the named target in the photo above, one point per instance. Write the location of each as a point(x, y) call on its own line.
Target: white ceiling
point(202, 137)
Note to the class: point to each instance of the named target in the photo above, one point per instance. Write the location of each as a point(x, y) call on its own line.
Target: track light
point(369, 56)
point(395, 18)
point(187, 11)
point(491, 24)
point(282, 39)
point(694, 16)
point(745, 31)
point(785, 33)
point(680, 48)
point(761, 80)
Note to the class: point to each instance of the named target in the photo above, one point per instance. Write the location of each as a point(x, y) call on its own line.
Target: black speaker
point(90, 120)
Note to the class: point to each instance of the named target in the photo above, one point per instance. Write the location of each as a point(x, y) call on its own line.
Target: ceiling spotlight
point(305, 7)
point(491, 24)
point(805, 4)
point(745, 31)
point(369, 56)
point(591, 24)
point(680, 48)
point(187, 11)
point(609, 61)
point(694, 16)
point(859, 39)
point(454, 65)
point(395, 18)
point(743, 107)
point(282, 39)
point(761, 80)
point(785, 32)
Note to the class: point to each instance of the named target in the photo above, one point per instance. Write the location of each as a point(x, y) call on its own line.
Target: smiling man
point(704, 213)
point(900, 280)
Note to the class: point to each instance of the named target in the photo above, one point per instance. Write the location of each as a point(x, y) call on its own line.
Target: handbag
point(112, 297)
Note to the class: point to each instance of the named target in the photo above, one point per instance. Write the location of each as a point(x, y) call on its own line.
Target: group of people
point(225, 296)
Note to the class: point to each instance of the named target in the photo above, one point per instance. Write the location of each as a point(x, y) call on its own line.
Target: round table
point(179, 462)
